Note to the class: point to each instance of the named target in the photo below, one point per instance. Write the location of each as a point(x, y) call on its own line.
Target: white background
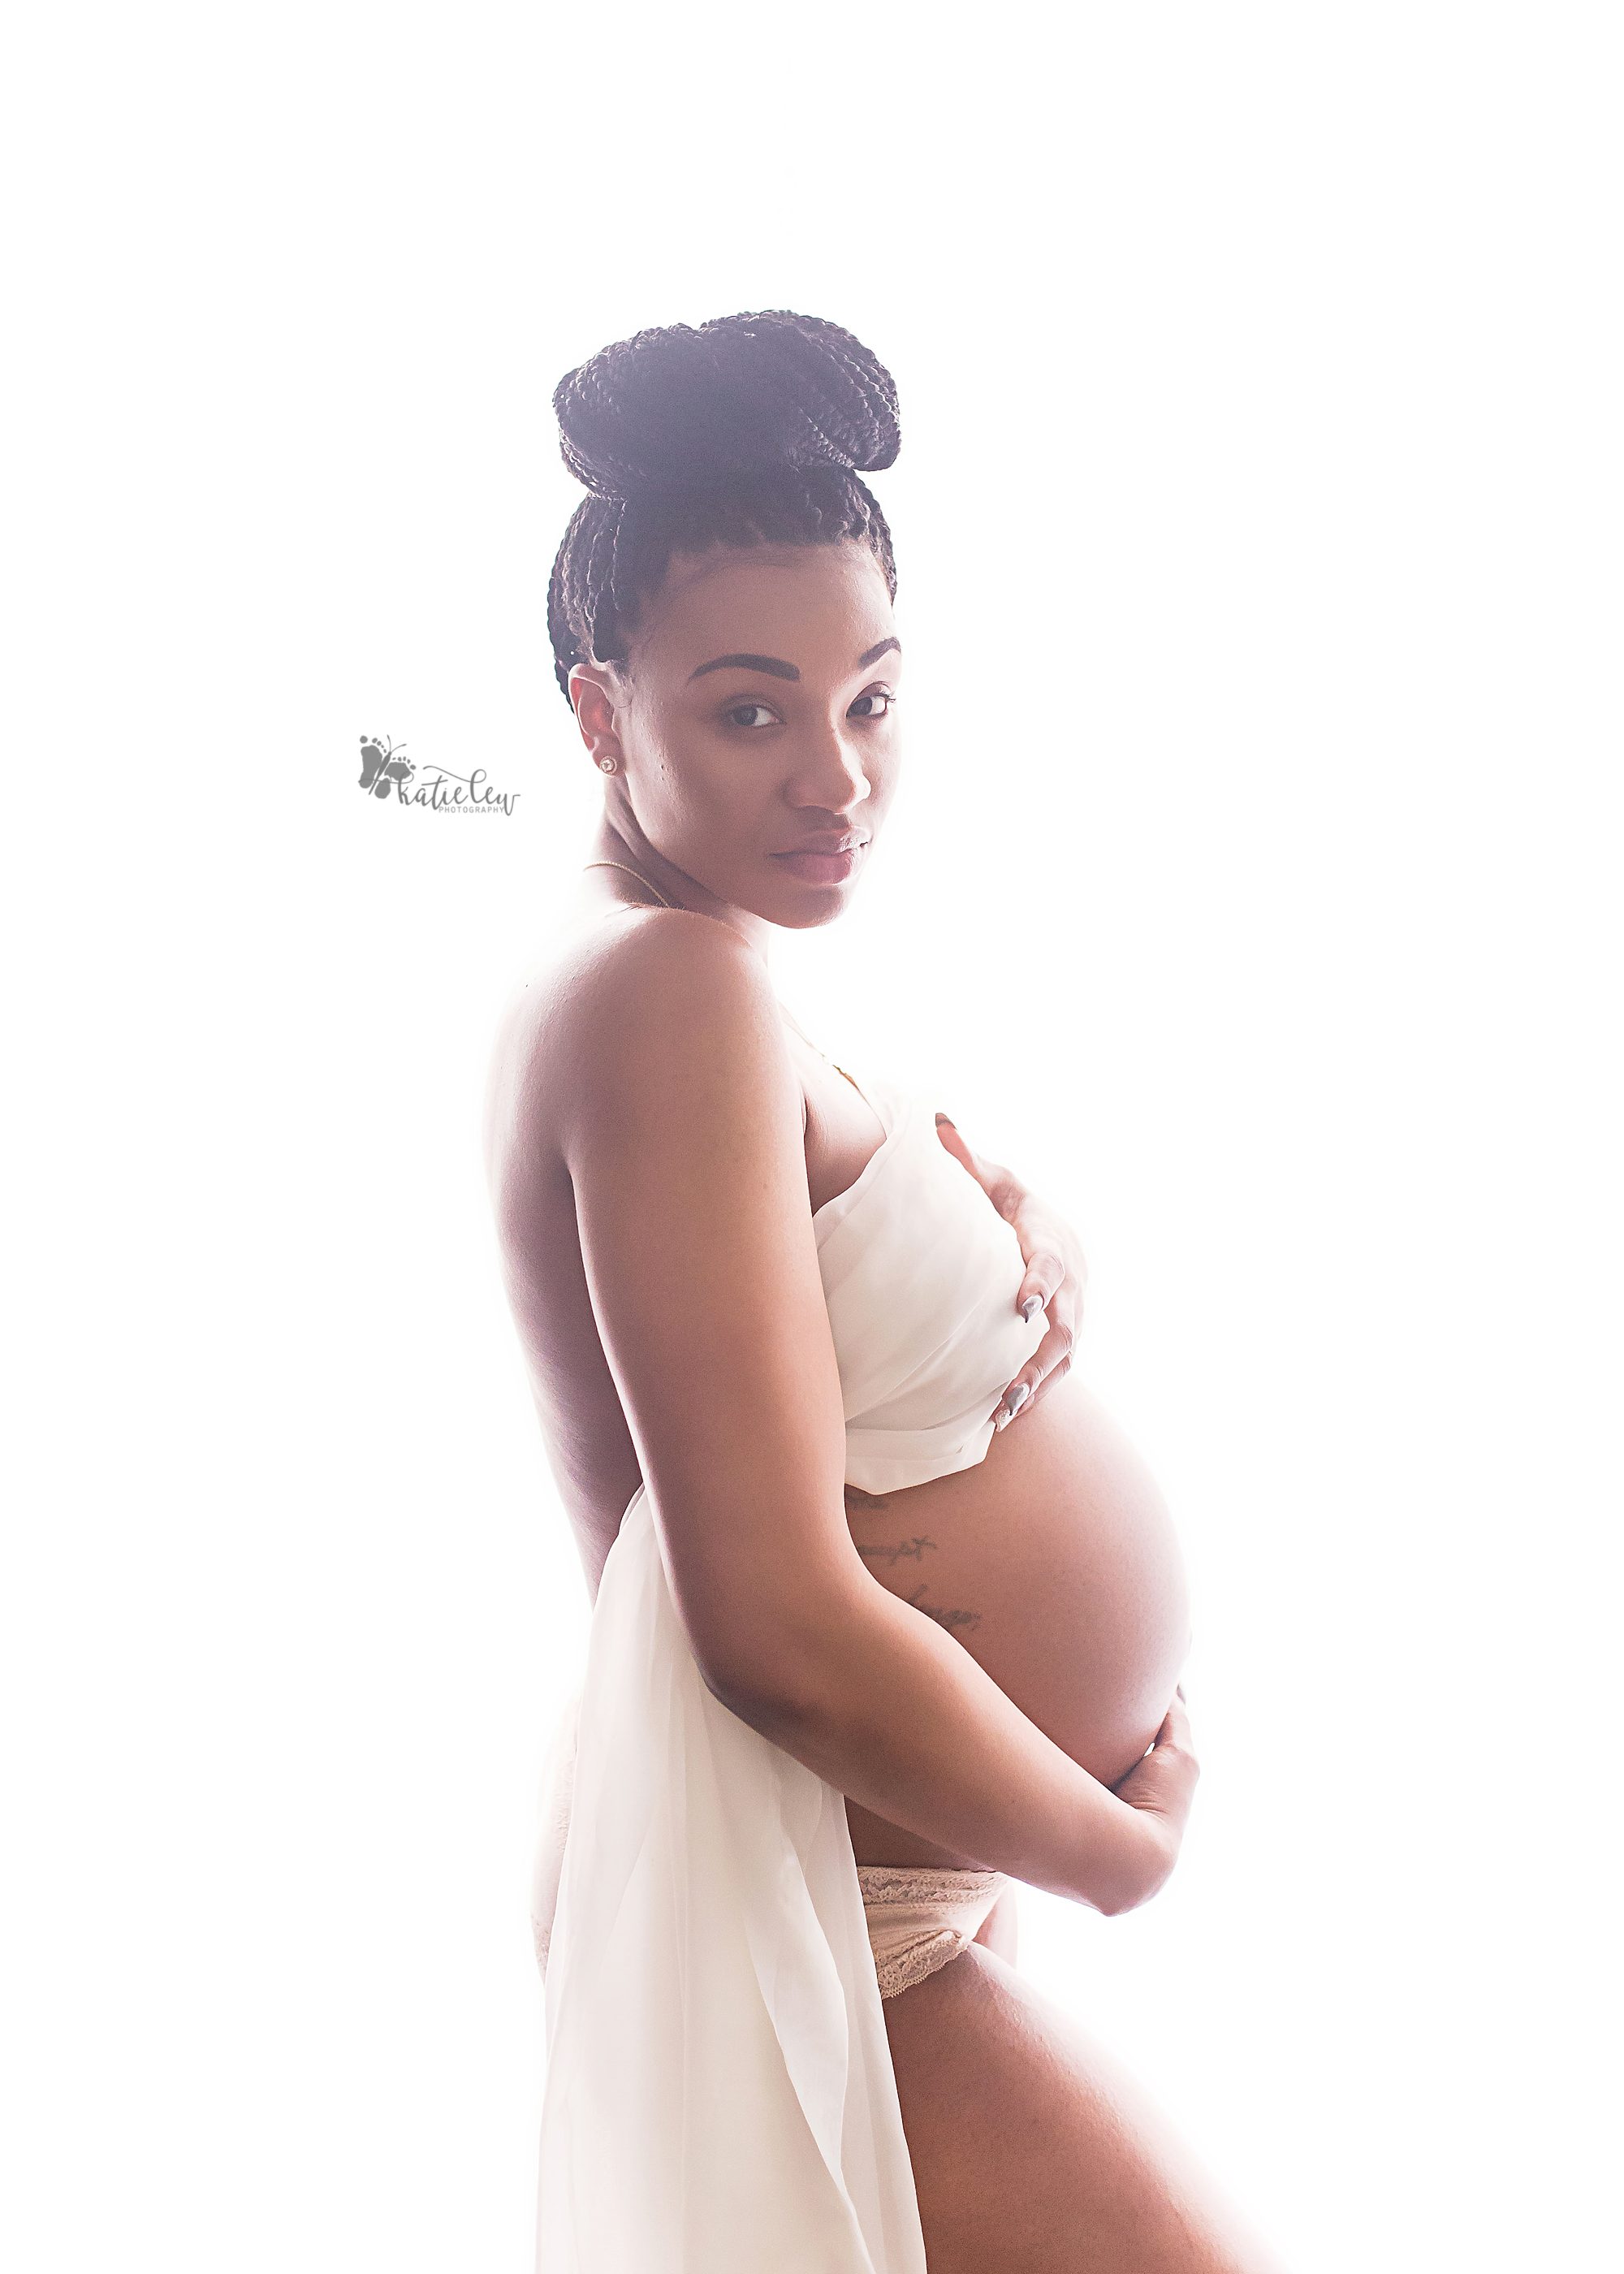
point(1253, 890)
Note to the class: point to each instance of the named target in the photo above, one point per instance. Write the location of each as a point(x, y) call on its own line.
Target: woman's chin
point(813, 889)
point(810, 909)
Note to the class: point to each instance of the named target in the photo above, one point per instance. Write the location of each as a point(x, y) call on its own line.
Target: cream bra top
point(920, 1274)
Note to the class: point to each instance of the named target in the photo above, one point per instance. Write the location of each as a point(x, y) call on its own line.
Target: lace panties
point(919, 1920)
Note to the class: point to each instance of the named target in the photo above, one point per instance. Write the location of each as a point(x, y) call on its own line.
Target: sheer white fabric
point(920, 1274)
point(719, 2095)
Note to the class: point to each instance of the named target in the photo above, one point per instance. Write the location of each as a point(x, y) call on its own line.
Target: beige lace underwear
point(919, 1920)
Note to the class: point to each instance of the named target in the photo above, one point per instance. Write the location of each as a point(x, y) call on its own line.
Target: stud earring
point(605, 765)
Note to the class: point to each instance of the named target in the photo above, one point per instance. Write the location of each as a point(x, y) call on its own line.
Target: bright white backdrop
point(1253, 890)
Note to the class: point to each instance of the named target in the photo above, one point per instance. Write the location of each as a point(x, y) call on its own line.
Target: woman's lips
point(822, 867)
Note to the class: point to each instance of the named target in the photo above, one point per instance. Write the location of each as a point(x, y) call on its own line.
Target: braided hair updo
point(751, 431)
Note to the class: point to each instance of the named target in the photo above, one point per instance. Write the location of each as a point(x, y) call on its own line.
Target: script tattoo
point(914, 1548)
point(948, 1619)
point(892, 1552)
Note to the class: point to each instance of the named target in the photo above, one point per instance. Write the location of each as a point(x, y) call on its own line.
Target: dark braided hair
point(751, 430)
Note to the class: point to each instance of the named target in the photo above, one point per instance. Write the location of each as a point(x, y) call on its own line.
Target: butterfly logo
point(382, 765)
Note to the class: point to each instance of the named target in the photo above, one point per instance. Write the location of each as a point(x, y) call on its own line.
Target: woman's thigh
point(1035, 2153)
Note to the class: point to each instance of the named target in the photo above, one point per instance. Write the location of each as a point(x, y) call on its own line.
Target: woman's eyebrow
point(771, 663)
point(778, 668)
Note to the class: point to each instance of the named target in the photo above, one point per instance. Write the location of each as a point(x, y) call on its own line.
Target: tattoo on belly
point(948, 1619)
point(889, 1554)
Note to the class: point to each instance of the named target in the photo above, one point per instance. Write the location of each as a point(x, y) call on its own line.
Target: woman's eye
point(858, 712)
point(751, 715)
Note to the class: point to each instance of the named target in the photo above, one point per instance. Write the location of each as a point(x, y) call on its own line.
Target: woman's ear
point(593, 697)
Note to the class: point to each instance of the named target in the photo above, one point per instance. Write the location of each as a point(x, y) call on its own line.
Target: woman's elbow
point(766, 1708)
point(781, 1684)
point(1138, 1872)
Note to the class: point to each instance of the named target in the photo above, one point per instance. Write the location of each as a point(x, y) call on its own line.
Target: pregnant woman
point(886, 1613)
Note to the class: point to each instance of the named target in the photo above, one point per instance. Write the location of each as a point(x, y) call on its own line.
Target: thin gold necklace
point(641, 879)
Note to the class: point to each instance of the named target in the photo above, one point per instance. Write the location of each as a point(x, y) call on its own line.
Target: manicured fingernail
point(1033, 1304)
point(1016, 1398)
point(947, 1117)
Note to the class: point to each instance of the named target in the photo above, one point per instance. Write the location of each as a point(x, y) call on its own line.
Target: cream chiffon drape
point(719, 2097)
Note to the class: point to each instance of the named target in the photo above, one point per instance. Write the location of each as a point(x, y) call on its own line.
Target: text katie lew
point(470, 794)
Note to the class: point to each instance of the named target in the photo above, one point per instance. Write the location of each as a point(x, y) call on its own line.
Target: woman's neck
point(623, 847)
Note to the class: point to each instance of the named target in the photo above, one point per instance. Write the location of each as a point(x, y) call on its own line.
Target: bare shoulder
point(673, 1004)
point(628, 1022)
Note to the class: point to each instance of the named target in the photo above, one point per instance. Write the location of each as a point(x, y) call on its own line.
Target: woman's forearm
point(886, 1707)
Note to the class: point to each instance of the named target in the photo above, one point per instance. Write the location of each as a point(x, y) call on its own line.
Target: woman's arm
point(682, 1137)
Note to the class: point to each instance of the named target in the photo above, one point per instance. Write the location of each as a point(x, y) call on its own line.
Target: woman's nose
point(831, 776)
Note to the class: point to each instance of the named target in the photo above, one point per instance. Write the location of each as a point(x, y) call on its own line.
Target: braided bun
point(752, 430)
point(675, 408)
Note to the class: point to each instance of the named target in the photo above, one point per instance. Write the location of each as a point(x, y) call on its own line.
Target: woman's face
point(754, 732)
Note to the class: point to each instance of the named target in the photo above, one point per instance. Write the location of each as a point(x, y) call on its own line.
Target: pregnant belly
point(1054, 1562)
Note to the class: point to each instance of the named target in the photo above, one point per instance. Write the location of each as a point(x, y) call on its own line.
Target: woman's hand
point(1162, 1785)
point(1055, 1277)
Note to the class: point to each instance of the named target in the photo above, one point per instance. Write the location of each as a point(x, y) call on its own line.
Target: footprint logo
point(382, 765)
